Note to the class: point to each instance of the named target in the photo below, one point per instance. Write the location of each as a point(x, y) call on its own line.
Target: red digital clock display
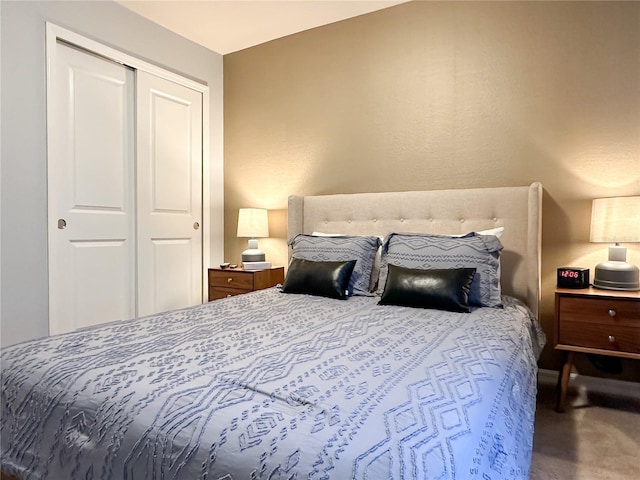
point(573, 277)
point(569, 273)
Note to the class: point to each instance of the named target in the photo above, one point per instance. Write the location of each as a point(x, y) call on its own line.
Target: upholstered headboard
point(456, 211)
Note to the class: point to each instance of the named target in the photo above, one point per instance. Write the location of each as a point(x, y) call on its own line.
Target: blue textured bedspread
point(277, 386)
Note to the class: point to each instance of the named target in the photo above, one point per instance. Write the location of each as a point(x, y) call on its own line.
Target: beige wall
point(430, 95)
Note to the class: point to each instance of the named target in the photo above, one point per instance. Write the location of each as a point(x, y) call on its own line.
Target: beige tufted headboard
point(455, 211)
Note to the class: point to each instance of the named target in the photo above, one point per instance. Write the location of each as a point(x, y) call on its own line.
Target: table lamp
point(253, 223)
point(616, 220)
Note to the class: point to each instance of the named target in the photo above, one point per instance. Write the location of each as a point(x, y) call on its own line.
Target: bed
point(292, 382)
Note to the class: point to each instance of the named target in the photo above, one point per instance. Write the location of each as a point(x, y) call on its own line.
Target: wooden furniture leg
point(563, 381)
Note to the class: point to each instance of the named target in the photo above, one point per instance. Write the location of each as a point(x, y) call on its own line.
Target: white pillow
point(492, 231)
point(498, 231)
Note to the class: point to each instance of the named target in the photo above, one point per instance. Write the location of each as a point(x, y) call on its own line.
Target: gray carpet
point(596, 438)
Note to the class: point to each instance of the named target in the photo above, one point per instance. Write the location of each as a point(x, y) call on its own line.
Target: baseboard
point(605, 386)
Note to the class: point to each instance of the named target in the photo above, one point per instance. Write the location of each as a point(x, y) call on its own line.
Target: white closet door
point(169, 194)
point(90, 191)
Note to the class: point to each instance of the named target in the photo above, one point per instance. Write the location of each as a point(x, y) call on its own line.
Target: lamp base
point(615, 275)
point(253, 255)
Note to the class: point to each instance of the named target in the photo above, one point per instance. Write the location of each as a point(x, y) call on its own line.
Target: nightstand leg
point(563, 381)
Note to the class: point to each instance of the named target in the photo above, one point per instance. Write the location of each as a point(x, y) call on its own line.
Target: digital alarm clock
point(573, 277)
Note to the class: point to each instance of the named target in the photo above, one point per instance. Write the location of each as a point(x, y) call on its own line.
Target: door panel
point(172, 260)
point(98, 139)
point(169, 172)
point(98, 296)
point(90, 191)
point(171, 161)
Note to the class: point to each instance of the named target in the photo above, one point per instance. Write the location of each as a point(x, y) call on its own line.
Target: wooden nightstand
point(234, 281)
point(592, 320)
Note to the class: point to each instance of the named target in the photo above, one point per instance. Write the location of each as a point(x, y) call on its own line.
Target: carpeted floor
point(596, 438)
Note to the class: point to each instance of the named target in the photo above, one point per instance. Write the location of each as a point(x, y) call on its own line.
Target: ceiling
point(226, 26)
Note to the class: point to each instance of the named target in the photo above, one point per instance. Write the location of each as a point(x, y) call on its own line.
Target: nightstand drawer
point(616, 338)
point(216, 293)
point(604, 311)
point(232, 279)
point(235, 281)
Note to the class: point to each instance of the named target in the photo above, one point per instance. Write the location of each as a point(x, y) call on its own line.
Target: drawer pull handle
point(229, 280)
point(612, 339)
point(612, 312)
point(228, 295)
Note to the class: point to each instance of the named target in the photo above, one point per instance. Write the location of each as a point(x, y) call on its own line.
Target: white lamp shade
point(253, 223)
point(615, 220)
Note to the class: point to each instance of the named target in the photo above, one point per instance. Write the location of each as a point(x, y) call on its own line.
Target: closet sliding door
point(169, 195)
point(125, 164)
point(92, 250)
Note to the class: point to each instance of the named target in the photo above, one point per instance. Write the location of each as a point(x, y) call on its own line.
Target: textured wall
point(429, 95)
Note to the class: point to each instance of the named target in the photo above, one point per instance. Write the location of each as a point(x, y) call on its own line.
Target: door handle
point(62, 223)
point(196, 226)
